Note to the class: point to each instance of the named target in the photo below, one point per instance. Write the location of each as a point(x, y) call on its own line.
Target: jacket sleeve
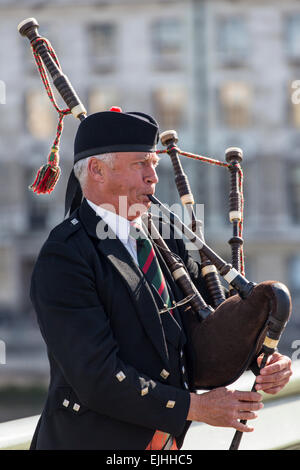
point(77, 332)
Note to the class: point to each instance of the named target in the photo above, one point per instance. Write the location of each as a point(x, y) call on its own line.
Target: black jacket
point(116, 375)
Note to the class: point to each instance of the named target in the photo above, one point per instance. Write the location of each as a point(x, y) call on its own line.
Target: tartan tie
point(149, 265)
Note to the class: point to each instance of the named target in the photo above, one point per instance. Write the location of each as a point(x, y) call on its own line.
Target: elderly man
point(119, 377)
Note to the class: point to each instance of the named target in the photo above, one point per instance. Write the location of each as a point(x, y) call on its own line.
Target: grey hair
point(81, 167)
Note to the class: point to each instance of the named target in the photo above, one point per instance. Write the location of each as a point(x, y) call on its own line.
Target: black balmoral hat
point(107, 132)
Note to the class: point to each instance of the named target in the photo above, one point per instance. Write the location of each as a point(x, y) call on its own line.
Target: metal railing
point(277, 427)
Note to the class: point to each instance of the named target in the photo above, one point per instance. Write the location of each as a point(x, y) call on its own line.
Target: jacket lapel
point(113, 249)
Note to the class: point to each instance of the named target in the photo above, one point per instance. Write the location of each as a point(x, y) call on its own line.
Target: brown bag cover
point(221, 347)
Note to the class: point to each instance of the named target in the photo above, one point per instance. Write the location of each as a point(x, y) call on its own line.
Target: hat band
point(114, 149)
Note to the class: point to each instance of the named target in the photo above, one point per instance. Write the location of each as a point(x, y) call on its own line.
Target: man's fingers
point(242, 427)
point(268, 386)
point(272, 358)
point(248, 396)
point(278, 381)
point(246, 415)
point(278, 376)
point(223, 407)
point(273, 390)
point(276, 364)
point(249, 406)
point(273, 368)
point(275, 375)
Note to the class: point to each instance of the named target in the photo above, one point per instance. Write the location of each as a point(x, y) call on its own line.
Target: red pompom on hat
point(117, 109)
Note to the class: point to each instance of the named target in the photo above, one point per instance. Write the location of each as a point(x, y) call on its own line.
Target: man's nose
point(151, 176)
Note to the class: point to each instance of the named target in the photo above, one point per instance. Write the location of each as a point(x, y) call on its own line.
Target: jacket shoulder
point(65, 230)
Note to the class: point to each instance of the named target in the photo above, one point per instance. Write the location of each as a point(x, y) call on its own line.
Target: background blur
point(220, 72)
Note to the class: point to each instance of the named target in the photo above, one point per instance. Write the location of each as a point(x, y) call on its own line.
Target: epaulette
point(65, 229)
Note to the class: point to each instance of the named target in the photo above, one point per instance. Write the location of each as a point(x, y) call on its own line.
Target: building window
point(235, 100)
point(169, 104)
point(232, 40)
point(103, 46)
point(167, 41)
point(292, 37)
point(41, 118)
point(103, 99)
point(294, 191)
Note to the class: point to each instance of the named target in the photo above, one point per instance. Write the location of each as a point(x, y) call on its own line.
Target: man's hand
point(223, 407)
point(275, 375)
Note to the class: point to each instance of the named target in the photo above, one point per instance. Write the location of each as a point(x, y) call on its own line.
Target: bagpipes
point(225, 338)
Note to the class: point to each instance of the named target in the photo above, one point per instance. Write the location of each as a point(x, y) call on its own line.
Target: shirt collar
point(118, 224)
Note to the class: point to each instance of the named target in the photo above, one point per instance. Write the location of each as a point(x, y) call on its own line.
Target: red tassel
point(48, 174)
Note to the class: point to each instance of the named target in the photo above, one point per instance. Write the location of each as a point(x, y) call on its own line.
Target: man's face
point(128, 182)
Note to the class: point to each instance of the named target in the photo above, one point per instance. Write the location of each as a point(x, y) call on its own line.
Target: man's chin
point(147, 203)
point(143, 201)
point(139, 208)
point(142, 207)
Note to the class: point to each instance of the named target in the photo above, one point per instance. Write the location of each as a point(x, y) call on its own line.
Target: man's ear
point(96, 170)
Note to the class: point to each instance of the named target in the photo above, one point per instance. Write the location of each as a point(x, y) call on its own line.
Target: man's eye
point(145, 162)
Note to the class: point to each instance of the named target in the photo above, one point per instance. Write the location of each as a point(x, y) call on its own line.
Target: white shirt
point(120, 226)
